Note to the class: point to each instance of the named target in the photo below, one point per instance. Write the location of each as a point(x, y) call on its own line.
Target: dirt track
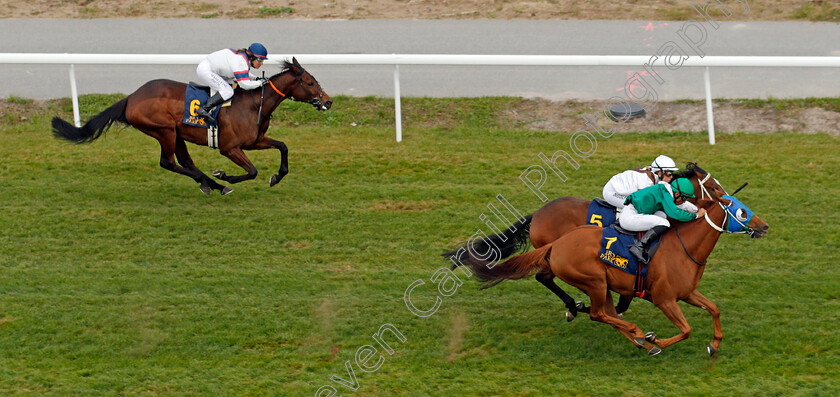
point(759, 10)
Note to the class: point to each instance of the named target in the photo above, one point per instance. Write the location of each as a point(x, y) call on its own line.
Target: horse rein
point(720, 229)
point(686, 249)
point(316, 99)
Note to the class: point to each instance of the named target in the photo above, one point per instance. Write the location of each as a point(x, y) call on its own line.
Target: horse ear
point(295, 62)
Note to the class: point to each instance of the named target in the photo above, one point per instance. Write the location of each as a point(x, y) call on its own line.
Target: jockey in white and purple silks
point(223, 67)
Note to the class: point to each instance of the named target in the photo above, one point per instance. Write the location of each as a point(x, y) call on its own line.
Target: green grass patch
point(675, 13)
point(120, 278)
point(822, 12)
point(271, 11)
point(781, 104)
point(18, 100)
point(832, 104)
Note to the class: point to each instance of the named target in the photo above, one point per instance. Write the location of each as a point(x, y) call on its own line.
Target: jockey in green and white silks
point(221, 68)
point(622, 185)
point(648, 209)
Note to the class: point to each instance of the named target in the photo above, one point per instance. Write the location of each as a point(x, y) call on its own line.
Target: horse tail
point(94, 128)
point(515, 239)
point(515, 268)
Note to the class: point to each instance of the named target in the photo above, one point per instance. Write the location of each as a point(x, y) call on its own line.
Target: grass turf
point(120, 278)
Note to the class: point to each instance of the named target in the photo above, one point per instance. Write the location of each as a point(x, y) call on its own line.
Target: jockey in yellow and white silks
point(221, 68)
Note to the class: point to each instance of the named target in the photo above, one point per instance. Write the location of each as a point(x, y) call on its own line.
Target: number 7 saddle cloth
point(615, 249)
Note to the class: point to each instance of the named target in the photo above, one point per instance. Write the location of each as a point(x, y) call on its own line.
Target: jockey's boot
point(204, 110)
point(640, 248)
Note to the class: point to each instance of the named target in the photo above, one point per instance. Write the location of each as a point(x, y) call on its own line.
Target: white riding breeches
point(207, 76)
point(633, 221)
point(613, 197)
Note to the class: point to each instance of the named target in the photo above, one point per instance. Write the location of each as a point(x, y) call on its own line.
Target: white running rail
point(431, 59)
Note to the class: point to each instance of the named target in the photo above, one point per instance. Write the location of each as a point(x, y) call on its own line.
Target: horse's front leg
point(239, 158)
point(268, 143)
point(697, 299)
point(284, 162)
point(672, 310)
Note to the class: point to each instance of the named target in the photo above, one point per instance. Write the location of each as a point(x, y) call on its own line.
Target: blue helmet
point(258, 50)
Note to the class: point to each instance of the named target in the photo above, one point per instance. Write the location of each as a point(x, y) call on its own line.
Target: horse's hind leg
point(612, 311)
point(623, 303)
point(697, 299)
point(183, 155)
point(598, 312)
point(547, 279)
point(168, 146)
point(184, 159)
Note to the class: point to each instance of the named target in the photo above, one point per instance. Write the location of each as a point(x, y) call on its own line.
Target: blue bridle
point(736, 217)
point(740, 213)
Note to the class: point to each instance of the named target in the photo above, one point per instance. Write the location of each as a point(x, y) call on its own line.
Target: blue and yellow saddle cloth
point(615, 250)
point(195, 97)
point(599, 214)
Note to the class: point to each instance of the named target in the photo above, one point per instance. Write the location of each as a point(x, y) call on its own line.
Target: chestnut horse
point(157, 109)
point(551, 222)
point(673, 275)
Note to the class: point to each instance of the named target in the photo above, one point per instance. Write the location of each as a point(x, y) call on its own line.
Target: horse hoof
point(219, 174)
point(711, 350)
point(640, 342)
point(273, 181)
point(205, 189)
point(226, 190)
point(570, 316)
point(650, 337)
point(654, 351)
point(619, 315)
point(579, 305)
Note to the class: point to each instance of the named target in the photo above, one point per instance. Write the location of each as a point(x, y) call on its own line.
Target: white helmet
point(663, 163)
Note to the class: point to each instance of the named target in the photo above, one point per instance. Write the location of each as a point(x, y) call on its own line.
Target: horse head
point(737, 217)
point(306, 88)
point(741, 219)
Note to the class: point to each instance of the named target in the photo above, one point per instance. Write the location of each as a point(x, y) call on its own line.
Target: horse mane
point(287, 67)
point(689, 171)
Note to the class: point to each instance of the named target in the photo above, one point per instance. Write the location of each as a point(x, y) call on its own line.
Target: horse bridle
point(316, 98)
point(315, 101)
point(727, 215)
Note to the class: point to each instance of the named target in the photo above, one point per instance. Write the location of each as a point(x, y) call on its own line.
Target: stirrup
point(208, 114)
point(640, 254)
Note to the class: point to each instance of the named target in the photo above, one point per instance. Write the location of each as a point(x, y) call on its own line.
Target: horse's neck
point(283, 82)
point(699, 237)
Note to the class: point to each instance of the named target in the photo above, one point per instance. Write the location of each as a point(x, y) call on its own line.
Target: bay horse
point(551, 222)
point(157, 109)
point(673, 275)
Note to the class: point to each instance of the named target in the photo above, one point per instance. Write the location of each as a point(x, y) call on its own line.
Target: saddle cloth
point(615, 250)
point(196, 96)
point(600, 213)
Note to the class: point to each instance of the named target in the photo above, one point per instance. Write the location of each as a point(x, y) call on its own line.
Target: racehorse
point(551, 222)
point(673, 275)
point(157, 109)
